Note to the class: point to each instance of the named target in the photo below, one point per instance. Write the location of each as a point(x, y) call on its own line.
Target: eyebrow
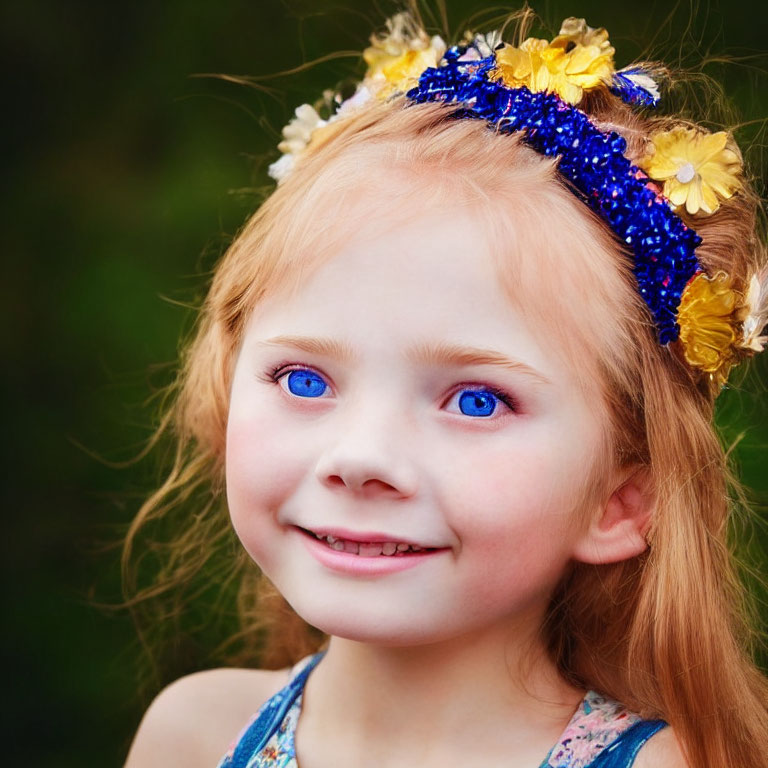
point(442, 354)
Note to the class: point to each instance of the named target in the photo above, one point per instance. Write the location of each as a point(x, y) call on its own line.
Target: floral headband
point(533, 90)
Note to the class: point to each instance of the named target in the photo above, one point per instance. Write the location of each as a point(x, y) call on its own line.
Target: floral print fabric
point(596, 724)
point(280, 750)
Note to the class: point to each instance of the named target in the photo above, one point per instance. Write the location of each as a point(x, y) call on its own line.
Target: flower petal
point(676, 192)
point(694, 199)
point(709, 201)
point(660, 166)
point(711, 145)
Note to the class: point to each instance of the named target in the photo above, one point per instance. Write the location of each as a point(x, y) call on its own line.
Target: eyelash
point(499, 394)
point(275, 373)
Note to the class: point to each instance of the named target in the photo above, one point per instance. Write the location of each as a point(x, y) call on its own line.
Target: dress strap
point(601, 734)
point(623, 751)
point(270, 716)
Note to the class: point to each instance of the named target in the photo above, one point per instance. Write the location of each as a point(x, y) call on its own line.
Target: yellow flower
point(589, 66)
point(708, 316)
point(403, 34)
point(565, 67)
point(515, 67)
point(397, 59)
point(402, 73)
point(696, 167)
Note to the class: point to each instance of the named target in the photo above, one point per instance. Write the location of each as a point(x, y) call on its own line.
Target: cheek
point(262, 471)
point(493, 489)
point(515, 514)
point(254, 475)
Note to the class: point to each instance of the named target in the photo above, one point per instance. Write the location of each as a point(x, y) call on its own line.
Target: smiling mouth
point(369, 548)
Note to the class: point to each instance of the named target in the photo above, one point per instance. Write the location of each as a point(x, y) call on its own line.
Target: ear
point(617, 532)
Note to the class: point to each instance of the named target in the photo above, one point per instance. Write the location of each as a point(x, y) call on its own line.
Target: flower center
point(685, 173)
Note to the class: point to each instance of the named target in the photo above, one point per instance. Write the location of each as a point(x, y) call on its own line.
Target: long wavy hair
point(667, 633)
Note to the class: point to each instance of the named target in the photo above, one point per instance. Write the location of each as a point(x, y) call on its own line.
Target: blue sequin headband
point(593, 161)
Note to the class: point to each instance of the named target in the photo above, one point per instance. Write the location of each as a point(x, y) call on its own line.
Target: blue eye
point(477, 402)
point(480, 402)
point(304, 383)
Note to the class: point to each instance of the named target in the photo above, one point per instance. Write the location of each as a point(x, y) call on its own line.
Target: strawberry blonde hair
point(667, 633)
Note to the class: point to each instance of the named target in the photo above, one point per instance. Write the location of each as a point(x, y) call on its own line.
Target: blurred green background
point(124, 179)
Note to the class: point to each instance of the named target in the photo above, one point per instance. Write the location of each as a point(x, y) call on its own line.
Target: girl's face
point(397, 399)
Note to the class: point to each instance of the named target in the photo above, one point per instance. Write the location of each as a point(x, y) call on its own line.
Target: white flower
point(280, 169)
point(486, 44)
point(757, 308)
point(296, 135)
point(361, 96)
point(298, 132)
point(480, 46)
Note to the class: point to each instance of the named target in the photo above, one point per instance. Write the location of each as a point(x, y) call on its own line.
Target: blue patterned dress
point(601, 733)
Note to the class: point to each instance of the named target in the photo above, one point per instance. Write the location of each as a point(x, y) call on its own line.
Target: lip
point(358, 565)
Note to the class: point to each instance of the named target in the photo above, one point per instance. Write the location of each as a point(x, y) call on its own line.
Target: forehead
point(433, 270)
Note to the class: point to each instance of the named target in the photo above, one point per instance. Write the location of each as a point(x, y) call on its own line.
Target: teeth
point(352, 547)
point(369, 549)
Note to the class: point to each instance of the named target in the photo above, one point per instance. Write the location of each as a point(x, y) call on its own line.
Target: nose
point(366, 458)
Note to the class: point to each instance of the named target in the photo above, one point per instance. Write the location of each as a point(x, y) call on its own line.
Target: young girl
point(457, 376)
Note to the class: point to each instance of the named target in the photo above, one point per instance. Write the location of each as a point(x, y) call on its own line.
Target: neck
point(466, 690)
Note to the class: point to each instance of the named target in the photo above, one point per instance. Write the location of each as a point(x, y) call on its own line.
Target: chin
point(373, 626)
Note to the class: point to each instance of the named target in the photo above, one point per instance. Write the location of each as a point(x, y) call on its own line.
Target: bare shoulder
point(662, 750)
point(192, 722)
